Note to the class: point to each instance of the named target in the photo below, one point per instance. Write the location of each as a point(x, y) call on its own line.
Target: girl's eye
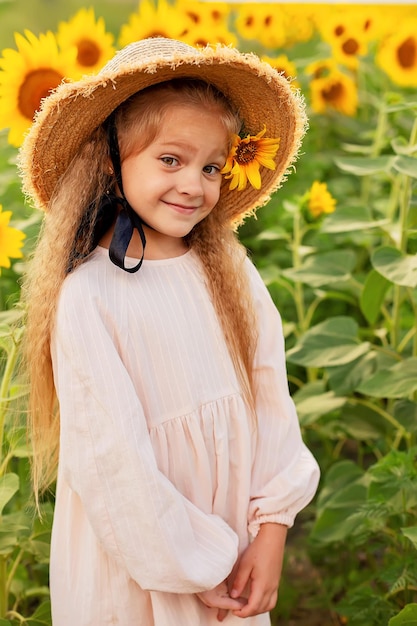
point(169, 160)
point(211, 169)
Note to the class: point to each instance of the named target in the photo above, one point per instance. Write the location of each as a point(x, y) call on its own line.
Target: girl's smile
point(174, 182)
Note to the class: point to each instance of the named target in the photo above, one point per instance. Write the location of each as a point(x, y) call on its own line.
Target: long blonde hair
point(72, 228)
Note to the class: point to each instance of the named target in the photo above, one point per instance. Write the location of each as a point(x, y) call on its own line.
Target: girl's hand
point(219, 598)
point(259, 570)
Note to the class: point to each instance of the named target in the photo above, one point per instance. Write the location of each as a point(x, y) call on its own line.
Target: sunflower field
point(336, 247)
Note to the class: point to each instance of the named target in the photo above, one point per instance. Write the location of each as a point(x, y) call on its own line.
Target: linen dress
point(163, 477)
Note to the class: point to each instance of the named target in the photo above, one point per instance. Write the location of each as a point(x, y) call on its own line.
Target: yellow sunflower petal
point(246, 157)
point(320, 200)
point(397, 55)
point(154, 19)
point(252, 172)
point(267, 162)
point(27, 75)
point(88, 35)
point(11, 240)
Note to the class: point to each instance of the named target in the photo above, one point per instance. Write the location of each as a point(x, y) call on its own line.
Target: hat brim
point(68, 116)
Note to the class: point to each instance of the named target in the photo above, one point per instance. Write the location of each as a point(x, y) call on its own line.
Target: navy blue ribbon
point(127, 219)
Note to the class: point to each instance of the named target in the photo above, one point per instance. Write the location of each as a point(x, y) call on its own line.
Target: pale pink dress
point(162, 477)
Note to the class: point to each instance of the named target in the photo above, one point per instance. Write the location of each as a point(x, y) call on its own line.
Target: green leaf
point(362, 423)
point(401, 106)
point(311, 405)
point(411, 534)
point(406, 165)
point(324, 269)
point(396, 266)
point(42, 615)
point(17, 438)
point(270, 274)
point(333, 342)
point(14, 528)
point(361, 166)
point(9, 485)
point(406, 617)
point(344, 379)
point(275, 233)
point(401, 146)
point(392, 481)
point(349, 219)
point(340, 498)
point(338, 476)
point(405, 411)
point(40, 549)
point(373, 295)
point(395, 382)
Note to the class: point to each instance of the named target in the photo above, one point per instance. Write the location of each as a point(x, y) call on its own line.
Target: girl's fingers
point(216, 601)
point(221, 614)
point(259, 601)
point(241, 581)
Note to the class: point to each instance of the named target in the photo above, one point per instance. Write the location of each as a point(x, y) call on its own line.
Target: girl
point(181, 464)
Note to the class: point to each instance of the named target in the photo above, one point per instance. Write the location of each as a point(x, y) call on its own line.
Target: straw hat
point(262, 96)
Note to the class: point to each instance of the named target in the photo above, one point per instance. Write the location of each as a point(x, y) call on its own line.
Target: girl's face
point(174, 183)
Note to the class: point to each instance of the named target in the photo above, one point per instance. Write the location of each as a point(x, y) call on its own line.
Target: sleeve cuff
point(285, 519)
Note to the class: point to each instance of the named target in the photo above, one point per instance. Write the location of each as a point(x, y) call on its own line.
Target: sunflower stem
point(377, 145)
point(296, 261)
point(404, 204)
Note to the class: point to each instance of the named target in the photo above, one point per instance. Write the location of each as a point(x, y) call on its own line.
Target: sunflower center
point(339, 30)
point(246, 153)
point(88, 53)
point(407, 53)
point(36, 85)
point(350, 46)
point(332, 93)
point(194, 17)
point(159, 33)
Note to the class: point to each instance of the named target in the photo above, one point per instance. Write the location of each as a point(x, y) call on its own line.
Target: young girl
point(181, 464)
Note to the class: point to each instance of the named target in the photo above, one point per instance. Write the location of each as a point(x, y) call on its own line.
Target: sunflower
point(272, 33)
point(397, 55)
point(154, 20)
point(245, 158)
point(335, 91)
point(347, 36)
point(320, 200)
point(284, 66)
point(348, 50)
point(321, 68)
point(207, 24)
point(11, 239)
point(203, 14)
point(201, 36)
point(248, 21)
point(94, 45)
point(27, 75)
point(299, 22)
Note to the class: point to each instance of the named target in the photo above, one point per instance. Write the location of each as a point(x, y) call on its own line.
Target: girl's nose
point(190, 182)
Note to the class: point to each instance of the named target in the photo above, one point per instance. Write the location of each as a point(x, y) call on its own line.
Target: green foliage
point(24, 538)
point(346, 286)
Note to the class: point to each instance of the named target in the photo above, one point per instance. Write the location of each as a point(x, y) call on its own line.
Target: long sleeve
point(107, 458)
point(285, 474)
